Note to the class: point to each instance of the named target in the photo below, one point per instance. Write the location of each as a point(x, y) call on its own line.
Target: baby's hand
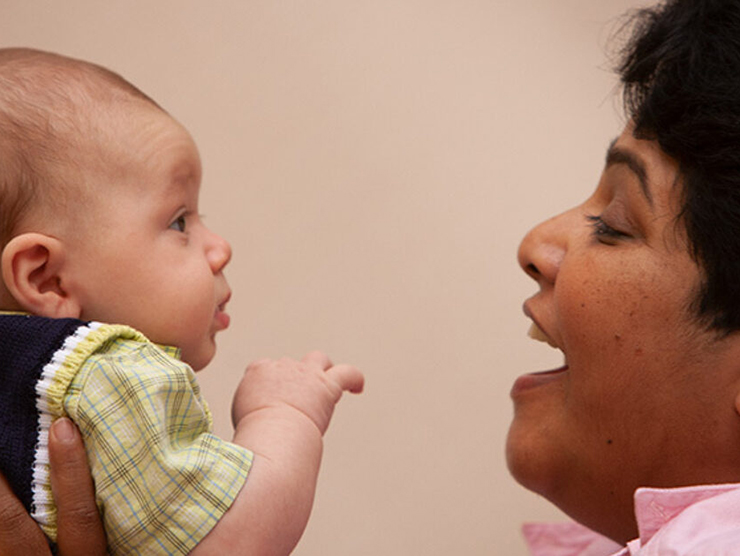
point(311, 386)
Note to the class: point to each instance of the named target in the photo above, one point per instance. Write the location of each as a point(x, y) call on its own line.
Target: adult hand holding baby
point(80, 528)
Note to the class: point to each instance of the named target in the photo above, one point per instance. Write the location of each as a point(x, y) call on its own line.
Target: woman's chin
point(526, 461)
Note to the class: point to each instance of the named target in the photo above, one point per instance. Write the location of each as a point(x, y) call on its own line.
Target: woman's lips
point(535, 380)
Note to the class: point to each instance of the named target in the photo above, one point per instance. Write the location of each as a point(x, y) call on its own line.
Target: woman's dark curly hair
point(681, 76)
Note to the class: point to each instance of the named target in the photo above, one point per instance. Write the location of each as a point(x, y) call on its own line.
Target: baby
point(112, 294)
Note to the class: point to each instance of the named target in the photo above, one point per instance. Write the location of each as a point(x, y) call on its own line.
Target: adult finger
point(19, 534)
point(348, 377)
point(318, 358)
point(80, 530)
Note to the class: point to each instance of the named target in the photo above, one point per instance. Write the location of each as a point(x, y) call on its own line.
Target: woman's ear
point(32, 267)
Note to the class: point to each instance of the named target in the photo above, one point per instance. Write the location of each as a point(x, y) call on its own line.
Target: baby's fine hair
point(46, 104)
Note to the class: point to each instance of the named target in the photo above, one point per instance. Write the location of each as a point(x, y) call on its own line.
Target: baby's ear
point(32, 266)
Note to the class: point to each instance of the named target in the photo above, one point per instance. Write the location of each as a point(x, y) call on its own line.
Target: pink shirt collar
point(655, 509)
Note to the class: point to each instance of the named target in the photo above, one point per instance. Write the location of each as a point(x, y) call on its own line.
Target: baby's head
point(99, 206)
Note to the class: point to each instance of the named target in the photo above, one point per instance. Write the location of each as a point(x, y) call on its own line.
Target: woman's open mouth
point(533, 380)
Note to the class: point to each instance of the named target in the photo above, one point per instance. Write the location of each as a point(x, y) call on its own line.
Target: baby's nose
point(219, 253)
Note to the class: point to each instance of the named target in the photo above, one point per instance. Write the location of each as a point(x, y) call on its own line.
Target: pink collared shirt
point(688, 521)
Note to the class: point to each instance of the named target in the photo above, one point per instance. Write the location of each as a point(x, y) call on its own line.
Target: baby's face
point(142, 256)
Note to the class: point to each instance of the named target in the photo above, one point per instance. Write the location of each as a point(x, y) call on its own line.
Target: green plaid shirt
point(162, 479)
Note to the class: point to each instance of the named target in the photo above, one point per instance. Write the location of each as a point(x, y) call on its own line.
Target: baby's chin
point(198, 359)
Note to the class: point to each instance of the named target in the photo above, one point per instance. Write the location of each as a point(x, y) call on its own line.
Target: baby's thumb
point(349, 378)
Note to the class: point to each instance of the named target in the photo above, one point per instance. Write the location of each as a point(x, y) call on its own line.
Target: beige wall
point(374, 164)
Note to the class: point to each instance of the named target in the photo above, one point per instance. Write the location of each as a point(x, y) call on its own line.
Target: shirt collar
point(654, 507)
point(172, 351)
point(566, 539)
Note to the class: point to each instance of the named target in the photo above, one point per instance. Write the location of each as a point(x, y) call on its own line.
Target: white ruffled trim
point(43, 509)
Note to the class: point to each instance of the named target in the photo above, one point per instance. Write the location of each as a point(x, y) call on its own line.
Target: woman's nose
point(543, 249)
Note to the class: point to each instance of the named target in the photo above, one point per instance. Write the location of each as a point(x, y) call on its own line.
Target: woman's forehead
point(655, 171)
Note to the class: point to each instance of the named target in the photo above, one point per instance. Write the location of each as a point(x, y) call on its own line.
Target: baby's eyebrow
point(183, 177)
point(619, 155)
point(184, 174)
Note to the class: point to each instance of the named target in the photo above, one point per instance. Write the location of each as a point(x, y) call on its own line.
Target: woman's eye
point(603, 231)
point(178, 224)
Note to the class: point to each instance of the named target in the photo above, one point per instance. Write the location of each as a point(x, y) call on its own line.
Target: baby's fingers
point(349, 378)
point(318, 358)
point(346, 376)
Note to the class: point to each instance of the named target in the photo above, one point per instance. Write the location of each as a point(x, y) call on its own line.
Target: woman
point(639, 287)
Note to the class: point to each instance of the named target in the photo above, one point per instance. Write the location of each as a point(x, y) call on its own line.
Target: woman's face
point(646, 396)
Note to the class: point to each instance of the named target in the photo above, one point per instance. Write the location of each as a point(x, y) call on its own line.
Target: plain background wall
point(374, 165)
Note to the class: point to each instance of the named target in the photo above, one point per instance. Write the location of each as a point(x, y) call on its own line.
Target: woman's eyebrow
point(619, 155)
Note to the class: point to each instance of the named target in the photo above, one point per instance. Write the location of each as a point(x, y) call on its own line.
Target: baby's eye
point(178, 224)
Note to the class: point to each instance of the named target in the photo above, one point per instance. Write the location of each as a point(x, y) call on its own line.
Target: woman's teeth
point(536, 333)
